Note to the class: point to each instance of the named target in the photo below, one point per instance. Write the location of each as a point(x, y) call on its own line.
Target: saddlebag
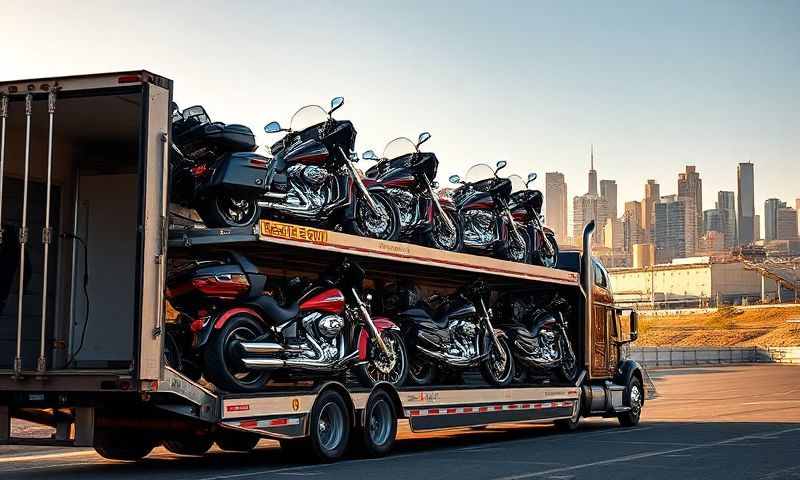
point(242, 172)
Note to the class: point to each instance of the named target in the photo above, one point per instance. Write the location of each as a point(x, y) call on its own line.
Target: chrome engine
point(324, 341)
point(478, 227)
point(307, 190)
point(405, 204)
point(463, 336)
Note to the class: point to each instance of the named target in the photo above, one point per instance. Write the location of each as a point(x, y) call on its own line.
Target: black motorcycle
point(450, 334)
point(538, 334)
point(203, 154)
point(483, 201)
point(313, 179)
point(408, 175)
point(526, 209)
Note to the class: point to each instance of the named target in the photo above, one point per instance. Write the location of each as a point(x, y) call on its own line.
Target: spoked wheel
point(569, 365)
point(498, 368)
point(516, 251)
point(541, 257)
point(392, 368)
point(223, 356)
point(442, 237)
point(225, 210)
point(376, 437)
point(383, 224)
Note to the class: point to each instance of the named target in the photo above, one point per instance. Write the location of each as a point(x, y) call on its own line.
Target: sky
point(653, 85)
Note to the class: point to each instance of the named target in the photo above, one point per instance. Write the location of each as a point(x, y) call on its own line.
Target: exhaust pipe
point(587, 282)
point(262, 348)
point(448, 359)
point(298, 363)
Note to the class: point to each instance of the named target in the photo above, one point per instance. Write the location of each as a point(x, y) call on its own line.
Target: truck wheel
point(376, 437)
point(329, 426)
point(232, 441)
point(634, 398)
point(119, 446)
point(189, 445)
point(571, 424)
point(223, 210)
point(222, 356)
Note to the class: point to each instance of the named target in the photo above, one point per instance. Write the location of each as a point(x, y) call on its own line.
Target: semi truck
point(87, 237)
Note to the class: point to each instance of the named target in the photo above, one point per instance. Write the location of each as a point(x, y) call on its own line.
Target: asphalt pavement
point(736, 422)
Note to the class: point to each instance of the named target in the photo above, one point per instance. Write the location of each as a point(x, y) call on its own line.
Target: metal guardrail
point(691, 356)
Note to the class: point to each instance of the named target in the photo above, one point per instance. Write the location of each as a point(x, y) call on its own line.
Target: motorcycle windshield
point(517, 183)
point(398, 147)
point(479, 172)
point(307, 116)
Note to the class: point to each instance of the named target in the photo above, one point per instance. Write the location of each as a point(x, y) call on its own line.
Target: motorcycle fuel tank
point(329, 301)
point(477, 201)
point(308, 152)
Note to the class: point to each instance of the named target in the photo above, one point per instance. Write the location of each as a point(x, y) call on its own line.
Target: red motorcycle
point(249, 339)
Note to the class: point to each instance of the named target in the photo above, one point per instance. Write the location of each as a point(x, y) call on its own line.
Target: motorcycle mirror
point(435, 184)
point(336, 103)
point(454, 179)
point(634, 325)
point(423, 137)
point(369, 155)
point(500, 165)
point(532, 176)
point(272, 127)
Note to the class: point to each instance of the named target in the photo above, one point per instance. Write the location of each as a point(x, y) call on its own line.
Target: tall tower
point(555, 196)
point(726, 202)
point(771, 207)
point(746, 211)
point(652, 193)
point(592, 174)
point(690, 185)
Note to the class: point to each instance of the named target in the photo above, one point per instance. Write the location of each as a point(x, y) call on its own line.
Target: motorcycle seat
point(275, 312)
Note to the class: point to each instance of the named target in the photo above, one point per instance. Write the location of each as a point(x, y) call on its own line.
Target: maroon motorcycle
point(246, 338)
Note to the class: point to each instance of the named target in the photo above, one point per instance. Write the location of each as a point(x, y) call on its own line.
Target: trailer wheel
point(376, 436)
point(189, 445)
point(232, 441)
point(119, 446)
point(634, 398)
point(329, 426)
point(571, 424)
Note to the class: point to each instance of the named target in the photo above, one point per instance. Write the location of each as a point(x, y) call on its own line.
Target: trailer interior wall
point(95, 198)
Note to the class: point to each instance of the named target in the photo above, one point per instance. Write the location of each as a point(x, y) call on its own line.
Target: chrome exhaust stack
point(587, 283)
point(260, 348)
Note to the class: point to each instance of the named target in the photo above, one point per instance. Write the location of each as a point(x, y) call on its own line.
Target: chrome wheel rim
point(516, 251)
point(375, 225)
point(383, 368)
point(380, 423)
point(636, 400)
point(236, 211)
point(444, 238)
point(330, 427)
point(499, 363)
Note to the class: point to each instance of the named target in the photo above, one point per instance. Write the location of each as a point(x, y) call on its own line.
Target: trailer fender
point(381, 323)
point(627, 369)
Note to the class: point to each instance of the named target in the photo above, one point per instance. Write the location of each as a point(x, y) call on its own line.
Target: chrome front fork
point(367, 319)
point(487, 319)
point(435, 198)
point(547, 245)
point(514, 231)
point(360, 184)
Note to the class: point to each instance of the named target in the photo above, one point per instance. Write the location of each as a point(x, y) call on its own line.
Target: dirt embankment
point(727, 327)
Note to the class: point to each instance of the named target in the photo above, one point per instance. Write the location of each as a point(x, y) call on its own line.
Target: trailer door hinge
point(159, 259)
point(164, 137)
point(156, 332)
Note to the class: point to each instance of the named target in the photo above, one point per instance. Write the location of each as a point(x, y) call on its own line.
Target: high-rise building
point(652, 193)
point(632, 230)
point(771, 207)
point(608, 190)
point(555, 197)
point(786, 224)
point(585, 208)
point(756, 227)
point(690, 185)
point(675, 228)
point(714, 220)
point(613, 234)
point(592, 174)
point(797, 207)
point(746, 209)
point(727, 204)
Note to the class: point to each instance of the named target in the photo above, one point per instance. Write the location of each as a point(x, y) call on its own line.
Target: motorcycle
point(538, 336)
point(482, 201)
point(408, 175)
point(526, 209)
point(312, 177)
point(450, 336)
point(202, 154)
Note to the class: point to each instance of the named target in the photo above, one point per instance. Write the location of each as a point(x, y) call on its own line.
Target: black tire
point(221, 356)
point(172, 352)
point(440, 238)
point(499, 377)
point(571, 424)
point(296, 449)
point(515, 253)
point(189, 445)
point(362, 215)
point(632, 397)
point(369, 374)
point(329, 427)
point(539, 257)
point(569, 363)
point(376, 437)
point(220, 209)
point(422, 373)
point(121, 446)
point(233, 441)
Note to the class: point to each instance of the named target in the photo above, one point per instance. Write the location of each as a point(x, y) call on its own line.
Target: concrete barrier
point(689, 356)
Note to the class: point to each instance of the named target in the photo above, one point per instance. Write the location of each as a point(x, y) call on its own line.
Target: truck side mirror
point(634, 326)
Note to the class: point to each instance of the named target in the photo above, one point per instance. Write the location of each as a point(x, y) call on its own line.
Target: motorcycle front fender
point(218, 321)
point(381, 324)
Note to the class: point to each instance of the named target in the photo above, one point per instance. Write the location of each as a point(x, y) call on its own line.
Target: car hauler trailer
point(85, 247)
